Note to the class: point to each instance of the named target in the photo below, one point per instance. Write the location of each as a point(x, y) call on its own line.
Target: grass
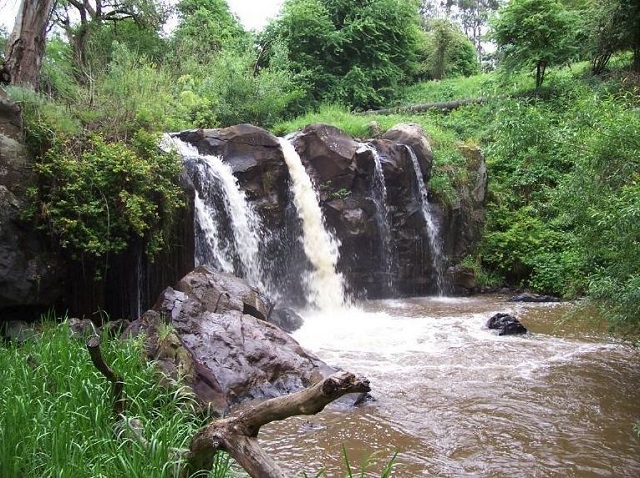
point(56, 418)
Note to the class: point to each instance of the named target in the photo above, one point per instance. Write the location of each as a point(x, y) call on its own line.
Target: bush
point(94, 197)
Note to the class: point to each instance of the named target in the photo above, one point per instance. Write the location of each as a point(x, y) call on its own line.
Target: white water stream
point(325, 285)
point(437, 256)
point(383, 220)
point(246, 226)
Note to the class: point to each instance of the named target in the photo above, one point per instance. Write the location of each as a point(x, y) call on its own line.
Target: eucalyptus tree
point(472, 16)
point(535, 34)
point(81, 19)
point(26, 45)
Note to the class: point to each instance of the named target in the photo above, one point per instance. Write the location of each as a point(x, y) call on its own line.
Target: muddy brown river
point(455, 400)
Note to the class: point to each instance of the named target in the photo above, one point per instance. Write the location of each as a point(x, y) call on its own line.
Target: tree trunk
point(439, 106)
point(237, 434)
point(26, 44)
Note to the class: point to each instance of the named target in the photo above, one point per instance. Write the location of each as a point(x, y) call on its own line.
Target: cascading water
point(215, 182)
point(437, 257)
point(324, 283)
point(383, 220)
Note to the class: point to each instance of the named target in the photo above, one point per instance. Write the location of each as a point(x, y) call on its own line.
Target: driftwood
point(117, 385)
point(237, 434)
point(439, 106)
point(124, 427)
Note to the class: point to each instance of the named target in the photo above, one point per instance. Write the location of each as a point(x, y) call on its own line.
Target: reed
point(56, 417)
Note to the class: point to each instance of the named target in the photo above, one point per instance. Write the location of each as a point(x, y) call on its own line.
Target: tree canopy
point(534, 34)
point(358, 53)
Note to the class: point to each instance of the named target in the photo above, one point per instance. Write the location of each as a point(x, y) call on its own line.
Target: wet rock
point(329, 154)
point(506, 324)
point(30, 276)
point(462, 278)
point(202, 332)
point(414, 136)
point(287, 319)
point(525, 297)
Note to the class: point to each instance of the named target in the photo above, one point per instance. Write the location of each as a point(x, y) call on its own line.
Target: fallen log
point(440, 106)
point(238, 434)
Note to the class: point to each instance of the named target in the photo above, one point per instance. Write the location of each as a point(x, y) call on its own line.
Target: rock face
point(506, 324)
point(30, 276)
point(342, 170)
point(210, 330)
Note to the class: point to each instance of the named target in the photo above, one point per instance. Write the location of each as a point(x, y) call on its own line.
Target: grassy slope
point(56, 417)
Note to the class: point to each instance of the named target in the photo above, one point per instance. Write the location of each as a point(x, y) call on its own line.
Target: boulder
point(506, 324)
point(287, 319)
point(210, 331)
point(462, 278)
point(414, 136)
point(329, 156)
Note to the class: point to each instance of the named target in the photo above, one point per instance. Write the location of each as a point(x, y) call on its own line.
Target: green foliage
point(534, 34)
point(56, 417)
point(231, 91)
point(142, 39)
point(354, 53)
point(449, 52)
point(205, 27)
point(133, 94)
point(93, 197)
point(612, 26)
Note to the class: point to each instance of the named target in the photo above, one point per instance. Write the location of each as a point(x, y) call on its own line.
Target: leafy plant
point(93, 197)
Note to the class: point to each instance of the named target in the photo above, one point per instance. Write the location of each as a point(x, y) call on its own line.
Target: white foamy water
point(324, 283)
point(455, 399)
point(246, 226)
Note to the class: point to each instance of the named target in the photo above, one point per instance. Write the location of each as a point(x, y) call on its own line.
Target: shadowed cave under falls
point(232, 237)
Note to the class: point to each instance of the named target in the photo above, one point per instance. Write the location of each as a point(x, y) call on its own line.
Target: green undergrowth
point(56, 418)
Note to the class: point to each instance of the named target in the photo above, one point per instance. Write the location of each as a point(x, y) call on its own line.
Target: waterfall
point(383, 220)
point(216, 186)
point(324, 285)
point(437, 257)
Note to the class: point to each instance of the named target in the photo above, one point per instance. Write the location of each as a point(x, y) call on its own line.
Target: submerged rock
point(210, 331)
point(506, 324)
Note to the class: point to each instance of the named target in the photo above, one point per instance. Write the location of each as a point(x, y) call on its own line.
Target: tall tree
point(26, 44)
point(79, 18)
point(448, 51)
point(534, 34)
point(205, 27)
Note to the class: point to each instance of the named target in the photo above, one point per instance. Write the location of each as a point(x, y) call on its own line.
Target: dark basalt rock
point(31, 277)
point(206, 330)
point(506, 324)
point(287, 319)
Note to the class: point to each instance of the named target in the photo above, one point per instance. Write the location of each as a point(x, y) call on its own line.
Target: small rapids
point(453, 399)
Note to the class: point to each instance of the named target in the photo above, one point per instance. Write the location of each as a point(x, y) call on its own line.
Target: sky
point(253, 14)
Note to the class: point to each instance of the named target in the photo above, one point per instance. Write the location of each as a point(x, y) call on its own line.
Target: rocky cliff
point(343, 172)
